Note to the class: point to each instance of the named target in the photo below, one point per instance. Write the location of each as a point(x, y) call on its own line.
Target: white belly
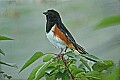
point(57, 42)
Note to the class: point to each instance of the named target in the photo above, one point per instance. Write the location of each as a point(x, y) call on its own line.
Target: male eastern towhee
point(58, 35)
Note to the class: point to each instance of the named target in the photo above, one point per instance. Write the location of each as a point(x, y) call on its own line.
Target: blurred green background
point(23, 21)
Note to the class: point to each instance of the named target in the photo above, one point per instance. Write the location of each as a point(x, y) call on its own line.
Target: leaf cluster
point(5, 63)
point(53, 67)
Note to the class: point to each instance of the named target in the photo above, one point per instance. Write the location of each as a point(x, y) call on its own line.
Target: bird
point(58, 34)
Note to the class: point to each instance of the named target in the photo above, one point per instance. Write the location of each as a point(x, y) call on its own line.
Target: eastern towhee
point(58, 35)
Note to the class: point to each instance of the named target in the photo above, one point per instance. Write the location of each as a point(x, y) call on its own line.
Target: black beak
point(45, 13)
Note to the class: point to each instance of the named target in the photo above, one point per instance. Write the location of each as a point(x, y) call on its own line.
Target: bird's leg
point(61, 51)
point(60, 54)
point(66, 49)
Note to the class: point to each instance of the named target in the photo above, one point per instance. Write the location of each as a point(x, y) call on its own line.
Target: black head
point(52, 15)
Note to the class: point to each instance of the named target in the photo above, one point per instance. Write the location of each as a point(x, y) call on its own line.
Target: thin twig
point(70, 74)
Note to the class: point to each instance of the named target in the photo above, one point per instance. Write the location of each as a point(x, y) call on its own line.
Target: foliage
point(32, 59)
point(65, 67)
point(107, 22)
point(5, 38)
point(99, 66)
point(4, 63)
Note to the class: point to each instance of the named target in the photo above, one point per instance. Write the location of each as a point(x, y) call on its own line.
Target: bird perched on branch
point(58, 34)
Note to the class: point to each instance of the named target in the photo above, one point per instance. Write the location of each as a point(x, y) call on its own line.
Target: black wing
point(66, 32)
point(71, 39)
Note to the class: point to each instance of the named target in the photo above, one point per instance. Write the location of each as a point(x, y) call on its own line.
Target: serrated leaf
point(9, 64)
point(2, 52)
point(33, 73)
point(91, 57)
point(85, 63)
point(41, 72)
point(36, 56)
point(112, 20)
point(47, 57)
point(100, 66)
point(5, 38)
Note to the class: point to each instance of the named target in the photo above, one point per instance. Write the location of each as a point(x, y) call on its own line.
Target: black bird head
point(52, 15)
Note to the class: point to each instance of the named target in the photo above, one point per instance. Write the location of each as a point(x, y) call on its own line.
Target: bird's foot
point(60, 55)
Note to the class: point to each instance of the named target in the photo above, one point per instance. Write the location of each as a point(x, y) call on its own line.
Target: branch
point(65, 64)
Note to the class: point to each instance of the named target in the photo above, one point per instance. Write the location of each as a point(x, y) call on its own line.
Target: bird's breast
point(58, 39)
point(55, 38)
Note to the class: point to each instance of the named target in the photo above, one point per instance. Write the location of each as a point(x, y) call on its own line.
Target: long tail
point(80, 49)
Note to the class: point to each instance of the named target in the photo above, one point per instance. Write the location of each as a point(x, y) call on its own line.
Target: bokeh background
point(23, 21)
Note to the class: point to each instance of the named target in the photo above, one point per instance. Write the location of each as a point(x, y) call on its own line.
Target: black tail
point(80, 49)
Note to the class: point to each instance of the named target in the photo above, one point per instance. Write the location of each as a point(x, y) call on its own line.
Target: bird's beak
point(45, 13)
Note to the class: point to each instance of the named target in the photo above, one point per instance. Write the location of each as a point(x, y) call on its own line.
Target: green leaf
point(8, 64)
point(100, 66)
point(2, 52)
point(85, 63)
point(72, 67)
point(70, 54)
point(77, 71)
point(50, 69)
point(54, 72)
point(66, 77)
point(81, 77)
point(112, 20)
point(59, 75)
point(41, 71)
point(47, 57)
point(53, 64)
point(33, 73)
point(63, 70)
point(50, 77)
point(90, 57)
point(73, 61)
point(115, 75)
point(5, 38)
point(36, 56)
point(94, 75)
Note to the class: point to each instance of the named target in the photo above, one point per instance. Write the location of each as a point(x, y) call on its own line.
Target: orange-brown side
point(58, 33)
